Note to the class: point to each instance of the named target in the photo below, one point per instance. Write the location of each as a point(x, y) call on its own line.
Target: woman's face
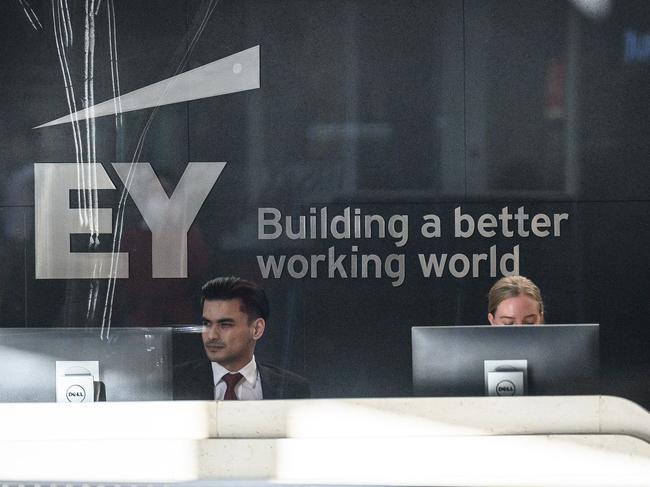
point(520, 310)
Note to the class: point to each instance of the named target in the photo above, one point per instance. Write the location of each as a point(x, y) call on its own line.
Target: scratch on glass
point(85, 153)
point(119, 224)
point(31, 15)
point(88, 103)
point(115, 72)
point(59, 9)
point(67, 24)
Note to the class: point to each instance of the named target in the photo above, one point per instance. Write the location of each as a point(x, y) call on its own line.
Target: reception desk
point(522, 441)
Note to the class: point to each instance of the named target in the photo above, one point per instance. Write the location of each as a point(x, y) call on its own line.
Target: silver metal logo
point(75, 393)
point(506, 388)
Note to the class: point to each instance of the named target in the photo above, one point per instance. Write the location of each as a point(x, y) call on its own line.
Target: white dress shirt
point(249, 388)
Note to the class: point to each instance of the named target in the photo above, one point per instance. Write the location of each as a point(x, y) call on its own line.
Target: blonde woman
point(515, 300)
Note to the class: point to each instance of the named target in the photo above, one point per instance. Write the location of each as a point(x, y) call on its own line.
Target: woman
point(515, 300)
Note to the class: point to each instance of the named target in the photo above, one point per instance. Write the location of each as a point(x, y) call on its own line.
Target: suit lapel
point(270, 382)
point(205, 383)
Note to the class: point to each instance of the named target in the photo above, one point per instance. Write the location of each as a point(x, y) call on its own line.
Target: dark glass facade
point(389, 111)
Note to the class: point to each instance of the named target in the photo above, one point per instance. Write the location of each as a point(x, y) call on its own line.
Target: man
point(234, 316)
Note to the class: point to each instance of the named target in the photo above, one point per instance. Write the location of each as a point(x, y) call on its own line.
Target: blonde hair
point(511, 287)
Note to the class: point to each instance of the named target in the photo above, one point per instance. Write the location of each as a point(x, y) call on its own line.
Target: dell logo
point(75, 393)
point(505, 388)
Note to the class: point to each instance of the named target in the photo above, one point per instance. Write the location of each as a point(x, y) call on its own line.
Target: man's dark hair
point(253, 298)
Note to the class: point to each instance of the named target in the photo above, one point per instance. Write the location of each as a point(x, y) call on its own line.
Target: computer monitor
point(550, 360)
point(133, 364)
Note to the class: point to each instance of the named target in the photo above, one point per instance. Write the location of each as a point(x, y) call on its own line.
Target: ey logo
point(168, 218)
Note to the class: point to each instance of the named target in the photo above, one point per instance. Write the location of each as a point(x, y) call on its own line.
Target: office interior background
point(400, 110)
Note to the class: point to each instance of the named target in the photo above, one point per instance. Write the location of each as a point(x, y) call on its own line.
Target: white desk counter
point(522, 441)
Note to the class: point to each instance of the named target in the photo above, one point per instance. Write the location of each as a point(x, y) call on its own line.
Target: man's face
point(229, 337)
point(520, 310)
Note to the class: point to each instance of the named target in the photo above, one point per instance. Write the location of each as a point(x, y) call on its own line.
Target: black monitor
point(490, 360)
point(130, 364)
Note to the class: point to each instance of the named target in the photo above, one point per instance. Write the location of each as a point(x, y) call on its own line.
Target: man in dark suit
point(234, 316)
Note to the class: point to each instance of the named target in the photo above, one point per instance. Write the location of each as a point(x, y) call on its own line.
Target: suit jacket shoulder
point(278, 383)
point(193, 381)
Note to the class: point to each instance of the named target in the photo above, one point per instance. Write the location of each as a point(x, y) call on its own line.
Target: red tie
point(231, 381)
